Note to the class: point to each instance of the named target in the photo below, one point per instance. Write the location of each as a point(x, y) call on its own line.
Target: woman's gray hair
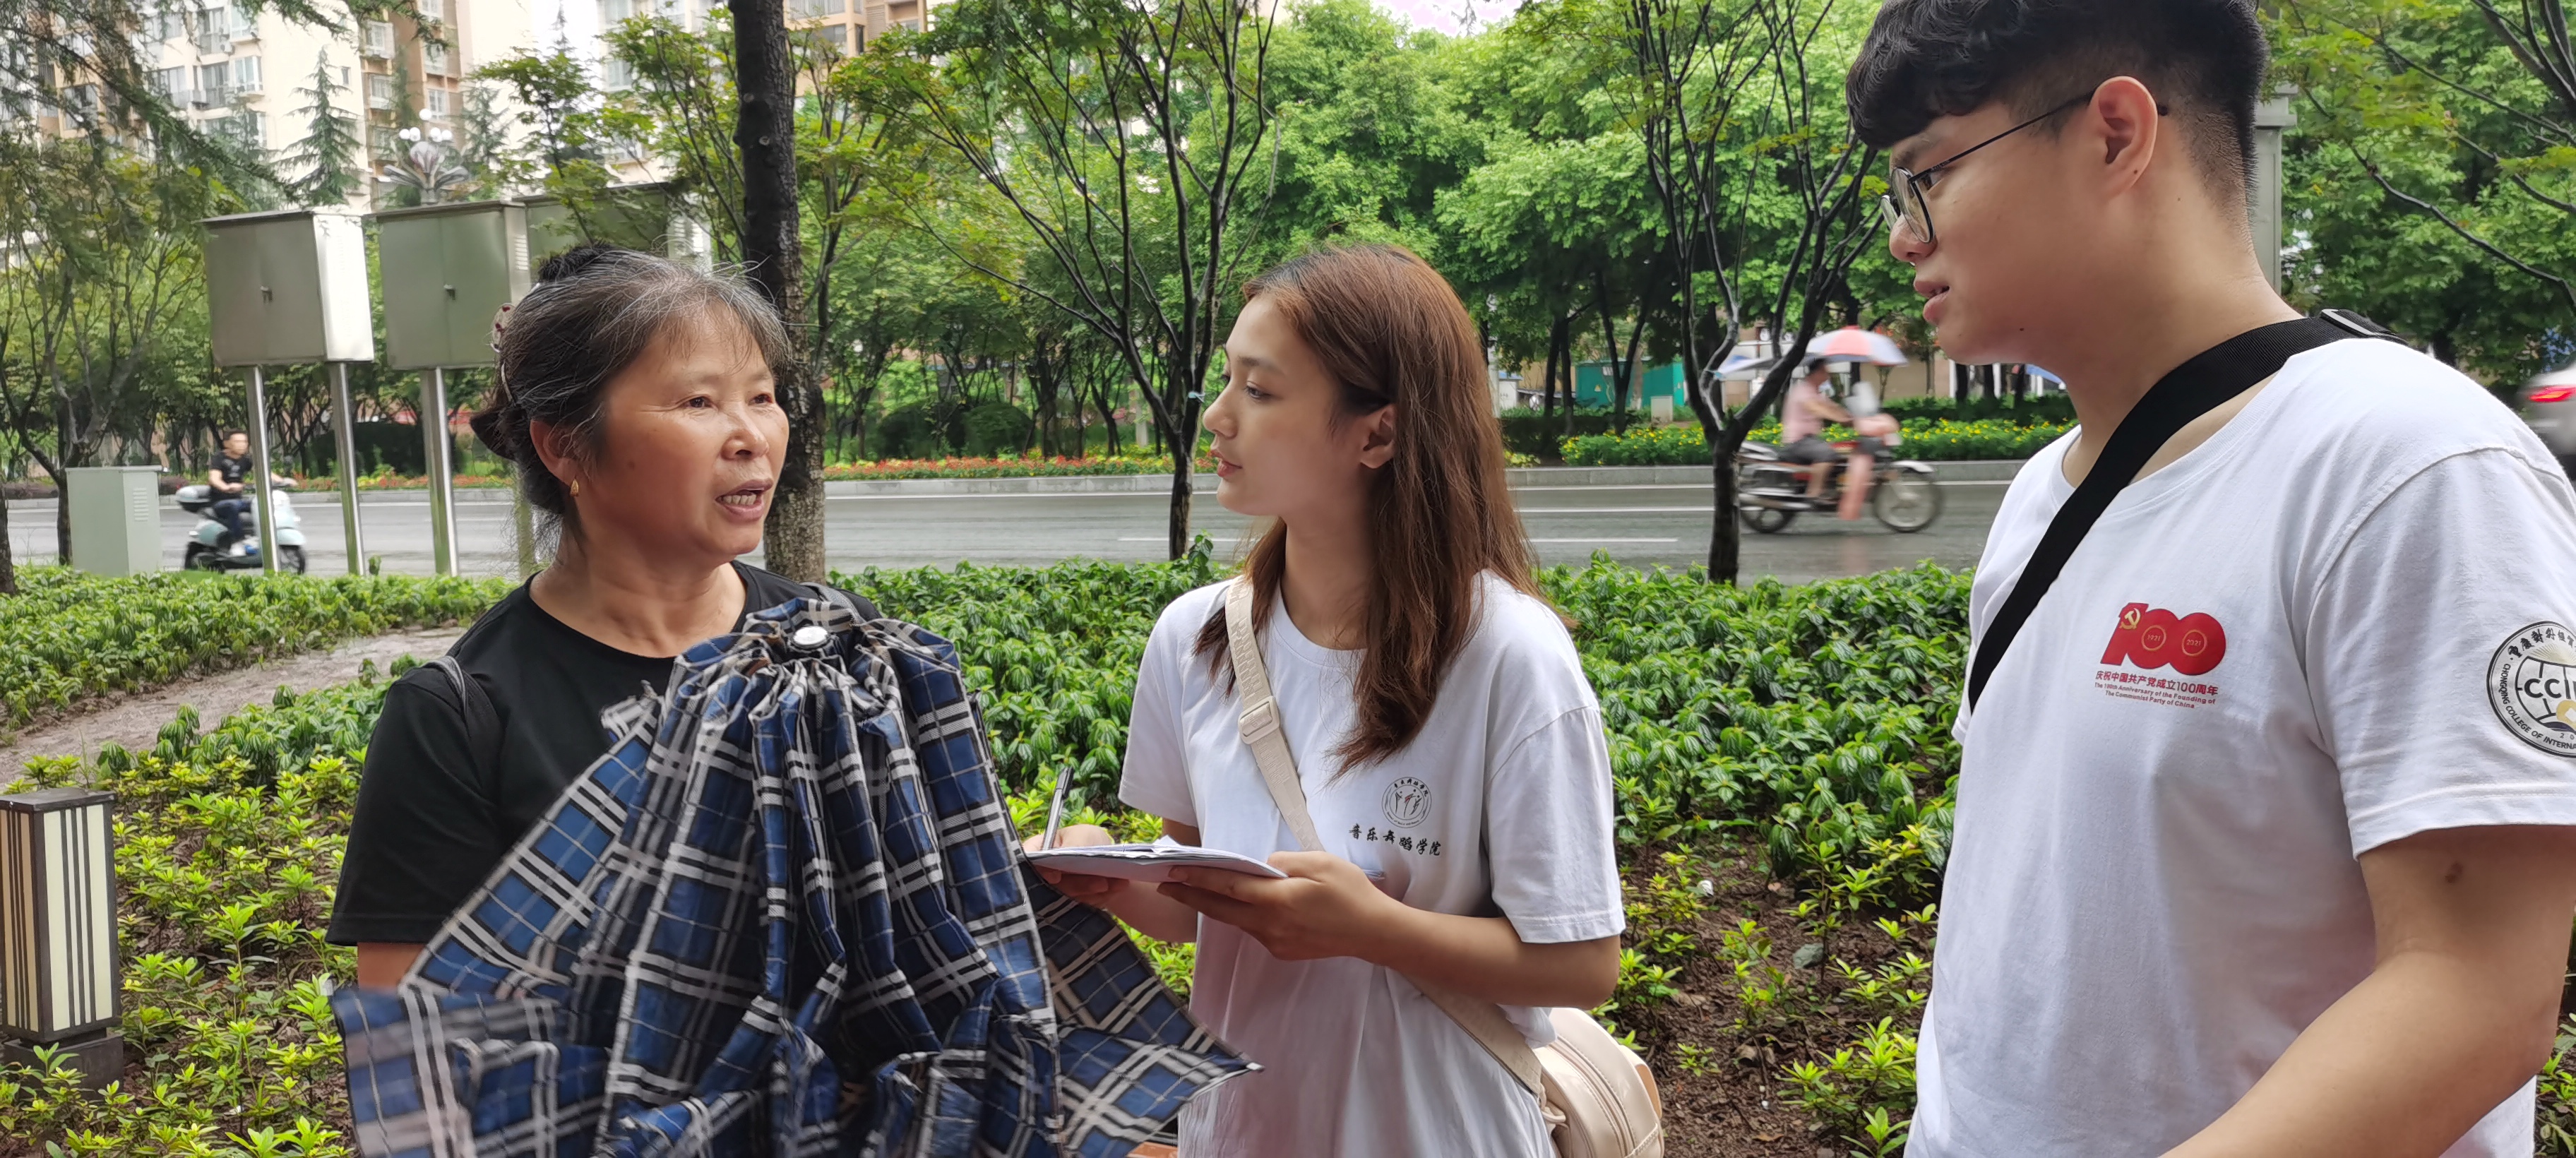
point(593, 312)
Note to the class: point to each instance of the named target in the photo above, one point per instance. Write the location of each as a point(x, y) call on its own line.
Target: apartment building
point(255, 76)
point(845, 25)
point(849, 25)
point(250, 77)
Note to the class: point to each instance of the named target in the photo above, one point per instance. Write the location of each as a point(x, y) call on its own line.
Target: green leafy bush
point(1931, 440)
point(1541, 435)
point(915, 431)
point(2557, 1126)
point(2035, 410)
point(228, 846)
point(1053, 651)
point(68, 635)
point(998, 428)
point(1850, 1092)
point(1810, 721)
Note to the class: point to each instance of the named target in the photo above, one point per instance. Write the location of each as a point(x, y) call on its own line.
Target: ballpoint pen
point(1055, 811)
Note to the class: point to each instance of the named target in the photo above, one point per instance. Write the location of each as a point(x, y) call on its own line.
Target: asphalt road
point(1665, 525)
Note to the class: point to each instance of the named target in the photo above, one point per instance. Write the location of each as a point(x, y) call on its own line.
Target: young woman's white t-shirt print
point(2331, 626)
point(1501, 806)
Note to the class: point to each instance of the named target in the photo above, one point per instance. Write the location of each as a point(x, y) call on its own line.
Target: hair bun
point(491, 429)
point(572, 261)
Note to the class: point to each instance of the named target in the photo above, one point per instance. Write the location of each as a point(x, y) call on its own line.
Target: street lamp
point(58, 968)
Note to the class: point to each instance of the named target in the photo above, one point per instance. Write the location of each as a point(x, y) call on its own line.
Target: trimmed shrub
point(998, 428)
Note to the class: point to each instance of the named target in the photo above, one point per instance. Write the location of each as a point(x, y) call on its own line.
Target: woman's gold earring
point(576, 488)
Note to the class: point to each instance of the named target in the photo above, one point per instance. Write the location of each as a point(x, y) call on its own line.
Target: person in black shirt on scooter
point(225, 478)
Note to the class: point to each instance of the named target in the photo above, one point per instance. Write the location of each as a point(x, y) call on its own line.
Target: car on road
point(2548, 403)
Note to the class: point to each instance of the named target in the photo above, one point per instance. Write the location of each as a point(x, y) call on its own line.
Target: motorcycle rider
point(225, 478)
point(1803, 415)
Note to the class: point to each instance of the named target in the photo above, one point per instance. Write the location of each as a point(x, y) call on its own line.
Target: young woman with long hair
point(1450, 748)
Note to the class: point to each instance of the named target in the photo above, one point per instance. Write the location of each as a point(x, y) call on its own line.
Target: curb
point(1204, 483)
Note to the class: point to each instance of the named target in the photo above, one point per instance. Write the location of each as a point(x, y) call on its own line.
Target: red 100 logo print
point(2152, 637)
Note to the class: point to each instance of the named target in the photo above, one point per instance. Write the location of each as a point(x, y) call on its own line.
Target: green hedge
point(1812, 721)
point(1542, 435)
point(68, 635)
point(1806, 726)
point(1925, 439)
point(2031, 411)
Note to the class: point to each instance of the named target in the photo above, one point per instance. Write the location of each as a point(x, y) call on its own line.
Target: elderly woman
point(637, 405)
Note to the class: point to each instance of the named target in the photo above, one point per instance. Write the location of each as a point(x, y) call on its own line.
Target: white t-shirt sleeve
point(1156, 777)
point(1548, 833)
point(2408, 660)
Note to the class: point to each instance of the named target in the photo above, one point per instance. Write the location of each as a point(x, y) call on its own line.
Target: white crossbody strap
point(1260, 726)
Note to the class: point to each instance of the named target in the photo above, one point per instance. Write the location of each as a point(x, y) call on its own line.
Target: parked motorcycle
point(242, 555)
point(1770, 491)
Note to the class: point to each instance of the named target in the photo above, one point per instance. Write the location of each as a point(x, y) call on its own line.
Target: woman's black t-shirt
point(430, 826)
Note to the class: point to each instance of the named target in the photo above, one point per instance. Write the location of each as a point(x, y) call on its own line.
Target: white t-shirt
point(2333, 625)
point(1500, 807)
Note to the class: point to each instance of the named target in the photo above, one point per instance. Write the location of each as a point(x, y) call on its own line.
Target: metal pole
point(344, 430)
point(259, 465)
point(524, 522)
point(442, 476)
point(2271, 118)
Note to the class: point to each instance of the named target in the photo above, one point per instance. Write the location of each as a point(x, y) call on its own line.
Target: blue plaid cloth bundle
point(785, 914)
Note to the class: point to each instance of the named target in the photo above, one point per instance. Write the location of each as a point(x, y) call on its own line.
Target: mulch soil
point(1737, 1104)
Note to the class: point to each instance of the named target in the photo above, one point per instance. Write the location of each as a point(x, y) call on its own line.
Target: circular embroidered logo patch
point(2531, 684)
point(1408, 802)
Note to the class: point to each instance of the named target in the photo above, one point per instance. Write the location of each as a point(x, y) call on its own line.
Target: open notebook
point(1145, 862)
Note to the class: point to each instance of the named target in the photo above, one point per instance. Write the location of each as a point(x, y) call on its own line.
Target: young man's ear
point(2122, 121)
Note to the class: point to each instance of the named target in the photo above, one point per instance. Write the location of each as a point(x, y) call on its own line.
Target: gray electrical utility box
point(444, 271)
point(288, 288)
point(115, 517)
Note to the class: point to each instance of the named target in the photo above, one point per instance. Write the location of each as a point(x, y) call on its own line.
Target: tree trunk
point(62, 511)
point(1555, 350)
point(765, 132)
point(1726, 532)
point(1565, 385)
point(8, 559)
point(1181, 495)
point(1181, 439)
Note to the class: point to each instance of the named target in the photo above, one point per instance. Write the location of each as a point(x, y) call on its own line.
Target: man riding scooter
point(1803, 415)
point(225, 478)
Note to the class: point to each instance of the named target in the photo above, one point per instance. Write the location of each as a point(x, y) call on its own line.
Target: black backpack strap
point(2193, 389)
point(482, 724)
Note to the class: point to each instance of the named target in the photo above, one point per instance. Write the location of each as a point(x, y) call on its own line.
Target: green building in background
point(1592, 384)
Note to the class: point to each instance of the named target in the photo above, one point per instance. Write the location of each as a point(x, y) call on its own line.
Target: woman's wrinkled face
point(690, 442)
point(1283, 446)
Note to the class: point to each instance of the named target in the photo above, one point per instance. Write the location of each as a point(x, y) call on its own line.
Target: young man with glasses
point(2263, 843)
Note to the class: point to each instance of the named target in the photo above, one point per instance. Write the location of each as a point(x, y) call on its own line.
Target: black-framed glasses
point(1903, 202)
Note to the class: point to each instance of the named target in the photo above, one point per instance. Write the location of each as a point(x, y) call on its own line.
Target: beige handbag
point(1596, 1094)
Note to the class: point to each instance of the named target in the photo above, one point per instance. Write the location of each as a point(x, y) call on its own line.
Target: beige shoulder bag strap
point(1482, 1020)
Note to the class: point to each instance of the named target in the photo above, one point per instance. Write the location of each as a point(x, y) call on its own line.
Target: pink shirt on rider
point(1799, 419)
